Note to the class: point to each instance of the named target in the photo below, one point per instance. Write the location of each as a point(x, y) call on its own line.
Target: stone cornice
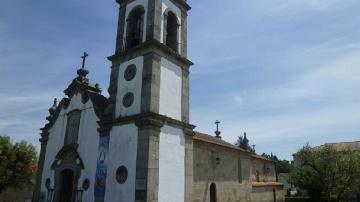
point(180, 3)
point(77, 86)
point(68, 149)
point(64, 103)
point(151, 46)
point(148, 119)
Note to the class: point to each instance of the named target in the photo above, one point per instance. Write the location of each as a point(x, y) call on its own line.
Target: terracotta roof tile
point(340, 146)
point(267, 184)
point(220, 142)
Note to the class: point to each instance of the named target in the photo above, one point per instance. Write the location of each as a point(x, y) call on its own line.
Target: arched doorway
point(67, 167)
point(213, 192)
point(67, 186)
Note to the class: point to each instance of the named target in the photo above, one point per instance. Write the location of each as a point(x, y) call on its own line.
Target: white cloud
point(29, 99)
point(319, 99)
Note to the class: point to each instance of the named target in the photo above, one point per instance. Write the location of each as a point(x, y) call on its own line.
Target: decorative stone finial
point(217, 132)
point(53, 108)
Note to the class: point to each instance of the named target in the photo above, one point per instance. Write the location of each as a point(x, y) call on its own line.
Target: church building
point(137, 144)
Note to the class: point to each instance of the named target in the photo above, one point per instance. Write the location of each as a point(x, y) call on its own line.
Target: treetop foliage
point(326, 173)
point(243, 143)
point(17, 163)
point(281, 166)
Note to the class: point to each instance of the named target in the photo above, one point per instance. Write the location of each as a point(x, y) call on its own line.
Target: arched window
point(135, 26)
point(257, 175)
point(212, 192)
point(171, 30)
point(72, 128)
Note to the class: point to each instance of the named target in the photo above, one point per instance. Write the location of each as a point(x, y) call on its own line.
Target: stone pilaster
point(121, 27)
point(150, 94)
point(185, 96)
point(112, 90)
point(153, 27)
point(183, 30)
point(147, 161)
point(189, 168)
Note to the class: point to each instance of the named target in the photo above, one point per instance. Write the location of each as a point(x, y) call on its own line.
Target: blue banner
point(101, 168)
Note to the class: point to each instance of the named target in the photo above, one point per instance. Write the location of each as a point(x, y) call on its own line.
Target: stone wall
point(265, 169)
point(220, 165)
point(234, 173)
point(267, 194)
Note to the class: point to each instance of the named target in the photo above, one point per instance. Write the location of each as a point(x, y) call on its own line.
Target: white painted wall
point(122, 152)
point(88, 138)
point(167, 4)
point(130, 7)
point(170, 89)
point(54, 144)
point(88, 144)
point(133, 86)
point(171, 165)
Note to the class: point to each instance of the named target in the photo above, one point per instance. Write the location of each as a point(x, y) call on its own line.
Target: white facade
point(170, 89)
point(171, 165)
point(133, 86)
point(54, 144)
point(87, 138)
point(122, 143)
point(122, 152)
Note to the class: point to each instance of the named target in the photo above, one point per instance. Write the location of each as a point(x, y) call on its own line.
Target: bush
point(297, 199)
point(307, 199)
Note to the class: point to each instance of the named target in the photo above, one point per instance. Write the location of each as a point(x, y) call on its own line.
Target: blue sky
point(285, 71)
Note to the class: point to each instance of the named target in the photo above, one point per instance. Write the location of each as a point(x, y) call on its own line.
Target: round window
point(130, 72)
point(128, 99)
point(86, 184)
point(121, 175)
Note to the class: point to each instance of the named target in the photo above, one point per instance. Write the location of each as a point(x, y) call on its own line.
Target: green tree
point(281, 166)
point(326, 173)
point(17, 163)
point(243, 143)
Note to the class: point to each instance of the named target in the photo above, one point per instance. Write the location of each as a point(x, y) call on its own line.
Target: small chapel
point(137, 144)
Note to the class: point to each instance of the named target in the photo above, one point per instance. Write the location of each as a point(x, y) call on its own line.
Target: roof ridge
point(223, 143)
point(343, 142)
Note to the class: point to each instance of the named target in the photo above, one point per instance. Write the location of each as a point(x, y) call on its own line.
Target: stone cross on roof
point(217, 132)
point(82, 72)
point(84, 59)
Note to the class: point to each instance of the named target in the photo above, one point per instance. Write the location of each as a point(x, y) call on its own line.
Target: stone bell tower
point(150, 146)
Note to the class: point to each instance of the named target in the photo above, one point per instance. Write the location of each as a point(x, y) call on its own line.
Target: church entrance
point(67, 186)
point(67, 167)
